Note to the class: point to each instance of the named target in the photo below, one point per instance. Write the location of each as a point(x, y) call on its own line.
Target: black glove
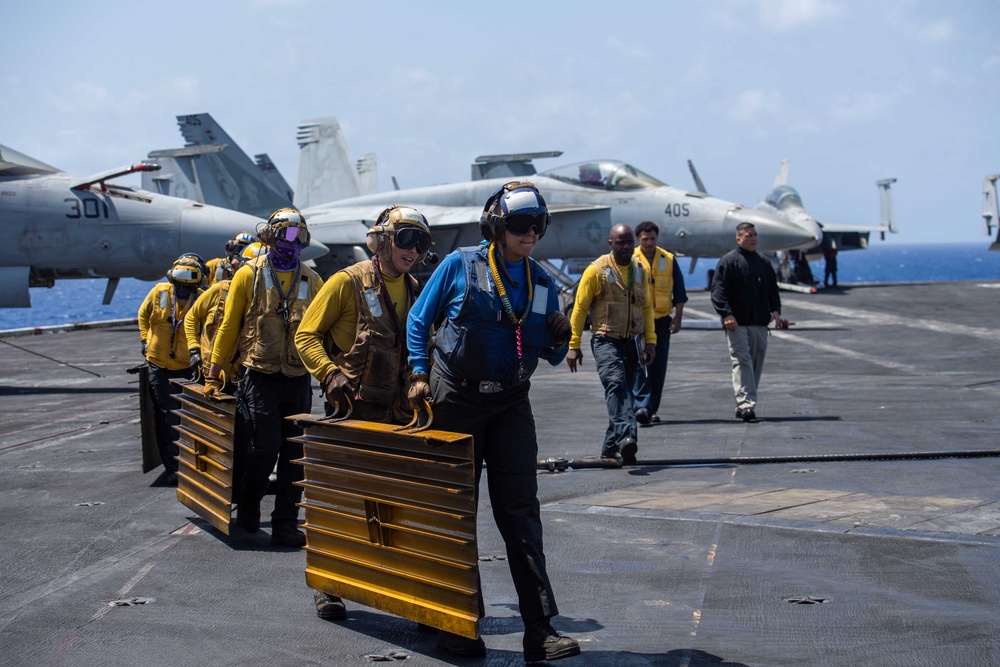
point(559, 327)
point(334, 385)
point(144, 347)
point(195, 355)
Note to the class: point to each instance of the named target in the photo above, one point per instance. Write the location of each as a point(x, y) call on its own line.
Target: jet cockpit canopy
point(784, 196)
point(604, 175)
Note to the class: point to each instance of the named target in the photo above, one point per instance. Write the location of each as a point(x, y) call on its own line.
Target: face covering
point(284, 255)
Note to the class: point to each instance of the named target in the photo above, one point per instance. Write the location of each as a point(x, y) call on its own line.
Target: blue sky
point(851, 92)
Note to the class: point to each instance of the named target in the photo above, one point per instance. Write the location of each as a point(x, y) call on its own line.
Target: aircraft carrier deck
point(869, 489)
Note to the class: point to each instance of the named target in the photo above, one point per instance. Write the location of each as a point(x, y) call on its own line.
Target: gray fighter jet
point(991, 212)
point(783, 200)
point(61, 226)
point(585, 199)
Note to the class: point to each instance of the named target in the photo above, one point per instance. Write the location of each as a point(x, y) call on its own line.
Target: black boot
point(542, 642)
point(248, 516)
point(329, 607)
point(287, 535)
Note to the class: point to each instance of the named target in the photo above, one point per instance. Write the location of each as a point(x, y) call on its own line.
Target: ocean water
point(72, 301)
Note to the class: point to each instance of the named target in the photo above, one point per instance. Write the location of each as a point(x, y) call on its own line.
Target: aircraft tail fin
point(782, 177)
point(213, 170)
point(991, 209)
point(326, 171)
point(367, 174)
point(886, 211)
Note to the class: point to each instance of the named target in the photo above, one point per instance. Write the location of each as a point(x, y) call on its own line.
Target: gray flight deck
point(652, 565)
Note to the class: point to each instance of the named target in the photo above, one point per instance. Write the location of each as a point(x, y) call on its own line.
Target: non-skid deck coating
point(701, 565)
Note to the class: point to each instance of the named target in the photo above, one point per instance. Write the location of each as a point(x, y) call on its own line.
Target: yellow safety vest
point(661, 279)
point(616, 310)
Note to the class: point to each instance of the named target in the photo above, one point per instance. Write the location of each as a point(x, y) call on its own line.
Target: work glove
point(195, 355)
point(419, 391)
point(333, 386)
point(213, 388)
point(144, 348)
point(559, 327)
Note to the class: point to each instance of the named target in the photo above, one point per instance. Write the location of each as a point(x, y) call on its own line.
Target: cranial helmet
point(285, 223)
point(235, 245)
point(516, 207)
point(186, 271)
point(405, 225)
point(251, 251)
point(196, 258)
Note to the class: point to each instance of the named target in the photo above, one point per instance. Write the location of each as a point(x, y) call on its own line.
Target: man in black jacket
point(745, 294)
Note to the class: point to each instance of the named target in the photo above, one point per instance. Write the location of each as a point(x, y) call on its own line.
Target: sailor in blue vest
point(502, 315)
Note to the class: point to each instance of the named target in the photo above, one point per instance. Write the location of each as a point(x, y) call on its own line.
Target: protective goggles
point(291, 233)
point(185, 274)
point(522, 223)
point(412, 237)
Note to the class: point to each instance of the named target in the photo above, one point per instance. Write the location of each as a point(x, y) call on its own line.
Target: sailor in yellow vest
point(201, 324)
point(362, 311)
point(221, 268)
point(614, 289)
point(267, 298)
point(164, 345)
point(666, 282)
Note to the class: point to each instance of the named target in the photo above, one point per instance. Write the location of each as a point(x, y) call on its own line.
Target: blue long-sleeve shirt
point(445, 294)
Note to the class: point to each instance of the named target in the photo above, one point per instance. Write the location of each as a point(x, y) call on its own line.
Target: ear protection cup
point(378, 235)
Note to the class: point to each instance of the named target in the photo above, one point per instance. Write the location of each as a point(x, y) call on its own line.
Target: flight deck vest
point(480, 343)
point(266, 345)
point(213, 320)
point(661, 280)
point(167, 345)
point(376, 364)
point(616, 311)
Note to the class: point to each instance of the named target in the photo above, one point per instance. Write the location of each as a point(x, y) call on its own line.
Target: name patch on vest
point(163, 299)
point(541, 300)
point(374, 305)
point(303, 289)
point(610, 274)
point(482, 276)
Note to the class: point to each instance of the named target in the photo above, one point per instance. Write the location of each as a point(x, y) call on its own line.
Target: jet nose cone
point(773, 231)
point(206, 229)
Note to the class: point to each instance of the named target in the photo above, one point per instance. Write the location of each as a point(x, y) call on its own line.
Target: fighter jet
point(585, 199)
point(62, 226)
point(783, 200)
point(991, 212)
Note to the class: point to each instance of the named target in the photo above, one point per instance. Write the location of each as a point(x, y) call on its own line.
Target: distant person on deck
point(745, 294)
point(830, 267)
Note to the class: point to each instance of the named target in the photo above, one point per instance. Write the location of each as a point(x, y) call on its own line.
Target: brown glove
point(559, 327)
point(419, 391)
point(213, 388)
point(334, 385)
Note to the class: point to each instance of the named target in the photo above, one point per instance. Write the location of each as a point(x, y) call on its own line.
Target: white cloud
point(630, 51)
point(992, 64)
point(860, 107)
point(754, 106)
point(786, 15)
point(940, 30)
point(185, 85)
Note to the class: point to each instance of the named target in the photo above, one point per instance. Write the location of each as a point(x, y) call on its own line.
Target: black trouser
point(270, 398)
point(503, 431)
point(163, 417)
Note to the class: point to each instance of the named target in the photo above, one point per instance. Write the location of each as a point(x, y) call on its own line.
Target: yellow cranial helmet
point(186, 271)
point(251, 251)
point(287, 224)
